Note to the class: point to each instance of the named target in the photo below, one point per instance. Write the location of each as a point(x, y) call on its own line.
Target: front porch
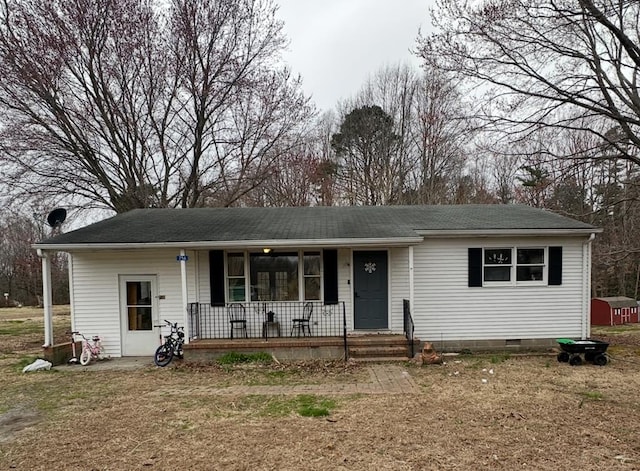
point(289, 331)
point(372, 346)
point(266, 320)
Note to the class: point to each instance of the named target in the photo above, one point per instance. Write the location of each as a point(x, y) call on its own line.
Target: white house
point(469, 275)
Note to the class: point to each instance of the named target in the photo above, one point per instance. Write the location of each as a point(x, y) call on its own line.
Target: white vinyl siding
point(345, 292)
point(96, 296)
point(399, 286)
point(204, 287)
point(445, 308)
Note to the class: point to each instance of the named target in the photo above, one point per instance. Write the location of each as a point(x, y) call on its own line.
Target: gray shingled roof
point(619, 301)
point(142, 226)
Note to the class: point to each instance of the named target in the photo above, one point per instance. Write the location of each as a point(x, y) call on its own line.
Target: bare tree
point(441, 136)
point(20, 267)
point(432, 129)
point(369, 168)
point(546, 63)
point(326, 170)
point(136, 103)
point(290, 183)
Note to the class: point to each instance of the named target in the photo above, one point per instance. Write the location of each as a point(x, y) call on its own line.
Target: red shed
point(615, 310)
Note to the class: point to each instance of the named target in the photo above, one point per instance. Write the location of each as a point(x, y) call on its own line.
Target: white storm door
point(139, 314)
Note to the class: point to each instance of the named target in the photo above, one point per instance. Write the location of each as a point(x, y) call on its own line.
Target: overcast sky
point(337, 44)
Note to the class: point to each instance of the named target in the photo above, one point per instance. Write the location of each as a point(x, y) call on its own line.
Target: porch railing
point(409, 327)
point(268, 319)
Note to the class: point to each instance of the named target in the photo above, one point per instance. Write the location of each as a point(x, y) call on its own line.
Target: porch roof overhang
point(239, 244)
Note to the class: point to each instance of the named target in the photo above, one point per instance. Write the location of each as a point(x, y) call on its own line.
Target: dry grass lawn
point(531, 413)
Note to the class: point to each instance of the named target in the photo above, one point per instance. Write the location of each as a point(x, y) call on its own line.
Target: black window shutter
point(555, 265)
point(216, 277)
point(330, 259)
point(475, 266)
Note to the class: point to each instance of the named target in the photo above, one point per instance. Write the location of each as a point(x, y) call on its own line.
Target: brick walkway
point(383, 379)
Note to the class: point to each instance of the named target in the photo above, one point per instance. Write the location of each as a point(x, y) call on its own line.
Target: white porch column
point(411, 287)
point(46, 298)
point(185, 293)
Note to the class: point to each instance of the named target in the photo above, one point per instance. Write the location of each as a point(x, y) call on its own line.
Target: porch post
point(411, 287)
point(185, 293)
point(46, 298)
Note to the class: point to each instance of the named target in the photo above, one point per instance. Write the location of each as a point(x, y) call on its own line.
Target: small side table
point(266, 326)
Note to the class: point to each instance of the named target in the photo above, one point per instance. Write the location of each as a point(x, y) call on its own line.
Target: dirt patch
point(299, 372)
point(624, 341)
point(16, 420)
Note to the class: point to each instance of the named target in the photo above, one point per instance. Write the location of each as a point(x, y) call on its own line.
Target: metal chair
point(237, 318)
point(303, 323)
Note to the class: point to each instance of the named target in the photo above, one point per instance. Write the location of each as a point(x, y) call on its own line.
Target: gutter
point(506, 232)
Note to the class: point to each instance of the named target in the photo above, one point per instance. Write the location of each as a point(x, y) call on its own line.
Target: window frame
point(274, 275)
point(227, 277)
point(301, 276)
point(304, 276)
point(544, 265)
point(497, 265)
point(513, 267)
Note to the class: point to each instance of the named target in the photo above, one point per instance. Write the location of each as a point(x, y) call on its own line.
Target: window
point(530, 265)
point(499, 266)
point(235, 277)
point(139, 309)
point(311, 276)
point(522, 266)
point(274, 277)
point(286, 276)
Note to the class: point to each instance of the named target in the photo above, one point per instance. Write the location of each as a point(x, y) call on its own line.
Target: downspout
point(46, 298)
point(185, 294)
point(586, 287)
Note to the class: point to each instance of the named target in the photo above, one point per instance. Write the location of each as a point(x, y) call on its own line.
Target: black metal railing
point(409, 327)
point(267, 319)
point(344, 332)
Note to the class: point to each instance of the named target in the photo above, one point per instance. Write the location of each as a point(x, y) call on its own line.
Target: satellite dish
point(57, 217)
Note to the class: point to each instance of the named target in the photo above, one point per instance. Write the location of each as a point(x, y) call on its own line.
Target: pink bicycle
point(91, 349)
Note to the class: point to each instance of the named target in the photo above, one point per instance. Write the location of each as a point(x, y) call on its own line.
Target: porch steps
point(375, 354)
point(379, 348)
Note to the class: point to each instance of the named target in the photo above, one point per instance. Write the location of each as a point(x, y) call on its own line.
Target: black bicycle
point(172, 345)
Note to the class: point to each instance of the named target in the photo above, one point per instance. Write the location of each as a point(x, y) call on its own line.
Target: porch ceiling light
point(266, 250)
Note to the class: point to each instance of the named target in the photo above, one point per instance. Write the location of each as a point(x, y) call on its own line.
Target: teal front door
point(370, 290)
